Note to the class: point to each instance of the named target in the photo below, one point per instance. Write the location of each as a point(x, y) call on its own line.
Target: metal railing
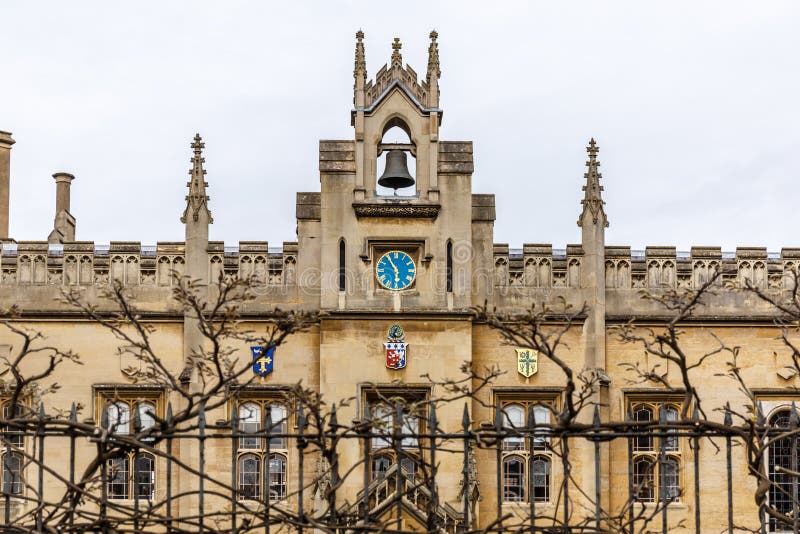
point(62, 484)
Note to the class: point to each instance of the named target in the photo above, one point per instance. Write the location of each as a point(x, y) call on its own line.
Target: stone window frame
point(279, 448)
point(645, 450)
point(526, 451)
point(412, 398)
point(132, 397)
point(13, 442)
point(775, 403)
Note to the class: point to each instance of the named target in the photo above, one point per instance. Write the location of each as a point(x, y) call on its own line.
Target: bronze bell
point(396, 175)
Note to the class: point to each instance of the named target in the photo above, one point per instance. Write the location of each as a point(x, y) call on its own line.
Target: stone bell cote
point(395, 98)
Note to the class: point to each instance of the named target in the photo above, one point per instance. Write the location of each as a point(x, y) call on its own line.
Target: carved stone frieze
point(408, 211)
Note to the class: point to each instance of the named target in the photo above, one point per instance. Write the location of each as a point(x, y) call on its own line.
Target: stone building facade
point(345, 229)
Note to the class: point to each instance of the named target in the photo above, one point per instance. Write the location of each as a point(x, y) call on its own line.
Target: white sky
point(694, 106)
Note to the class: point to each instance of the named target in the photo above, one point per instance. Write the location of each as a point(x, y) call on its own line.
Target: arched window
point(279, 426)
point(382, 419)
point(144, 473)
point(119, 417)
point(14, 436)
point(262, 464)
point(118, 478)
point(779, 460)
point(277, 477)
point(147, 419)
point(670, 416)
point(514, 419)
point(249, 423)
point(342, 266)
point(12, 473)
point(249, 477)
point(132, 474)
point(644, 479)
point(513, 479)
point(643, 413)
point(670, 478)
point(449, 267)
point(541, 416)
point(656, 478)
point(540, 478)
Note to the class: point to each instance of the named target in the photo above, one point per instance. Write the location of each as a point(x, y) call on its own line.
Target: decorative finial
point(197, 199)
point(361, 62)
point(593, 198)
point(397, 59)
point(433, 58)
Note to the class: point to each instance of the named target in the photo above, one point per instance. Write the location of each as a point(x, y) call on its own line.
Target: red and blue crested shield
point(395, 354)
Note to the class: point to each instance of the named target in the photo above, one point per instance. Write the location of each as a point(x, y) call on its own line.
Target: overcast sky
point(694, 106)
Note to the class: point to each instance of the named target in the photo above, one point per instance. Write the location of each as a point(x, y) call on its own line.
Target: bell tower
point(395, 98)
point(417, 205)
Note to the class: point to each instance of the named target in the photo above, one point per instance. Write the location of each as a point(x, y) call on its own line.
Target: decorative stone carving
point(406, 211)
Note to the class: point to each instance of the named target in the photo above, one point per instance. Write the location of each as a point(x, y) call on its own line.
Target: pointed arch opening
point(397, 133)
point(449, 267)
point(342, 266)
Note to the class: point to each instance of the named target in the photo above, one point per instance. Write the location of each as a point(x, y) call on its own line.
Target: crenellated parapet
point(83, 263)
point(655, 268)
point(537, 266)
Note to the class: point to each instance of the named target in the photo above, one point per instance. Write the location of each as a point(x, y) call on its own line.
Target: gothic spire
point(433, 58)
point(360, 70)
point(593, 197)
point(397, 59)
point(197, 200)
point(434, 73)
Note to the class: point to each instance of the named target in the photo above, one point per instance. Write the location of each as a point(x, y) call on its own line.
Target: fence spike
point(268, 420)
point(760, 414)
point(104, 422)
point(334, 421)
point(432, 422)
point(728, 418)
point(137, 420)
point(465, 418)
point(201, 418)
point(73, 414)
point(662, 415)
point(41, 410)
point(696, 412)
point(596, 416)
point(235, 420)
point(531, 417)
point(301, 419)
point(169, 413)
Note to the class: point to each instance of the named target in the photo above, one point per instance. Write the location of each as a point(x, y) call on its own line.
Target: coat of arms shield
point(395, 348)
point(527, 362)
point(263, 361)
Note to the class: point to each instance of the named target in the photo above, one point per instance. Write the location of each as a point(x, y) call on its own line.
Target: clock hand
point(396, 270)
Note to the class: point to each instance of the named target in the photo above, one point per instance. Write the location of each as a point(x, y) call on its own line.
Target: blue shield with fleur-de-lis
point(263, 360)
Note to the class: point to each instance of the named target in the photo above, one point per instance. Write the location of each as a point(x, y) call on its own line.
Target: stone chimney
point(64, 223)
point(5, 182)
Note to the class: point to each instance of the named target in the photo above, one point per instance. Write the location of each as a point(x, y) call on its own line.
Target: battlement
point(541, 266)
point(86, 263)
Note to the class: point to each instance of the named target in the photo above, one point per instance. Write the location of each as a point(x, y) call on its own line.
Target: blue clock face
point(396, 270)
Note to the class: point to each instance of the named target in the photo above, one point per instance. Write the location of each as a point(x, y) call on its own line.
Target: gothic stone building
point(420, 258)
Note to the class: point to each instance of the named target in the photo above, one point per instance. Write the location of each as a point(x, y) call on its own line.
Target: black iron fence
point(397, 474)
